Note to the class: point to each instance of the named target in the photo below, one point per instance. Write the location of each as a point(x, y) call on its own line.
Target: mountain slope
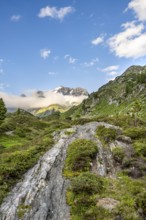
point(116, 97)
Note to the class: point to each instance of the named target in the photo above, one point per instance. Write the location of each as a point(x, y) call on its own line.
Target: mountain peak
point(134, 69)
point(71, 91)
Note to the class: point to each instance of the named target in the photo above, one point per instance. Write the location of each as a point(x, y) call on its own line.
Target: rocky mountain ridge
point(71, 91)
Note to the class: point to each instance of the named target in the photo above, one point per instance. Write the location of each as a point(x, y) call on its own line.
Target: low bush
point(79, 156)
point(87, 183)
point(118, 154)
point(82, 194)
point(141, 204)
point(136, 132)
point(106, 134)
point(140, 148)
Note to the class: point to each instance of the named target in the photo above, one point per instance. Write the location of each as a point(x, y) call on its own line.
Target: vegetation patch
point(135, 132)
point(81, 196)
point(69, 132)
point(118, 154)
point(80, 154)
point(140, 148)
point(87, 183)
point(106, 134)
point(22, 209)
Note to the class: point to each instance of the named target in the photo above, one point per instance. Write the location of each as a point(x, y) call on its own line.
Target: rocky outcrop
point(71, 91)
point(41, 193)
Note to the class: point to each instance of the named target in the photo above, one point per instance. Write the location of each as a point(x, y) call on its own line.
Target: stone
point(108, 203)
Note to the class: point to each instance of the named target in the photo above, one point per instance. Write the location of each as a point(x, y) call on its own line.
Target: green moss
point(106, 134)
point(69, 132)
point(79, 156)
point(135, 132)
point(87, 183)
point(141, 204)
point(118, 154)
point(82, 196)
point(22, 209)
point(140, 147)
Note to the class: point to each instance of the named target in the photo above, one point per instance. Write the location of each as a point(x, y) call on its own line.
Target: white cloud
point(16, 18)
point(70, 59)
point(131, 42)
point(45, 53)
point(110, 68)
point(33, 100)
point(53, 12)
point(91, 63)
point(97, 41)
point(139, 8)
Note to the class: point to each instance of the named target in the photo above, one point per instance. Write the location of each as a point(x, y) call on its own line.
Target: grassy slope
point(23, 139)
point(117, 97)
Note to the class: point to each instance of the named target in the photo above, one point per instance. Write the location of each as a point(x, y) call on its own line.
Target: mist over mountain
point(39, 99)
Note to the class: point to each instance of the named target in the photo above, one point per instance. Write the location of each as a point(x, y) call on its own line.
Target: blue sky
point(74, 43)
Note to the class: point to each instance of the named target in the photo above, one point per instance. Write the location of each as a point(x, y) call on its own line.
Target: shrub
point(136, 132)
point(82, 195)
point(79, 156)
point(87, 183)
point(95, 213)
point(141, 204)
point(106, 134)
point(118, 154)
point(140, 148)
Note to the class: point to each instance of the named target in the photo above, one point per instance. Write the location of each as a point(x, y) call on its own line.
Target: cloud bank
point(139, 8)
point(39, 99)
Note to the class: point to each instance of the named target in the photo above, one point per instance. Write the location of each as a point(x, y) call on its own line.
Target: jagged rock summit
point(71, 91)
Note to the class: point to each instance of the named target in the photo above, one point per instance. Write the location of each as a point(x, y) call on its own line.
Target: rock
point(124, 139)
point(72, 91)
point(135, 173)
point(108, 203)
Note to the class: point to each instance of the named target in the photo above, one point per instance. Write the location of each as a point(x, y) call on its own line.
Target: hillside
point(117, 97)
point(46, 111)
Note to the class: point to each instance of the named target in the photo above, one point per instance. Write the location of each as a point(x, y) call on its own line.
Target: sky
point(75, 43)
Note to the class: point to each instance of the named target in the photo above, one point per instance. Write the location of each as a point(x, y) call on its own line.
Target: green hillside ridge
point(45, 111)
point(117, 97)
